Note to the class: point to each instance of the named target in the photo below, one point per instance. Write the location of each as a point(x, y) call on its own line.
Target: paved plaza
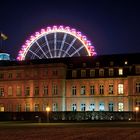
point(70, 131)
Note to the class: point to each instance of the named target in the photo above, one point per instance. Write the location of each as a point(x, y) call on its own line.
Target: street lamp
point(48, 110)
point(137, 110)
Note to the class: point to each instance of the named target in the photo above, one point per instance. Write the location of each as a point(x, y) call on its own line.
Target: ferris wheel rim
point(55, 29)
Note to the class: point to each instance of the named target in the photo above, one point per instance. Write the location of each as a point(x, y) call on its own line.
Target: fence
point(69, 116)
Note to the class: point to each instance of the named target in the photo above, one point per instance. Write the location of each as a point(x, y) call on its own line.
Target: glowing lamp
point(137, 108)
point(48, 109)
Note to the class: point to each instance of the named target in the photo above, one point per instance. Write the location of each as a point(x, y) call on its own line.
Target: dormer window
point(97, 64)
point(84, 64)
point(92, 73)
point(83, 73)
point(120, 71)
point(101, 72)
point(111, 63)
point(74, 73)
point(137, 69)
point(111, 72)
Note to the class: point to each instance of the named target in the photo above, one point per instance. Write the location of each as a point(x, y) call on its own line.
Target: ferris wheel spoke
point(62, 44)
point(34, 54)
point(41, 49)
point(77, 51)
point(69, 47)
point(54, 44)
point(48, 46)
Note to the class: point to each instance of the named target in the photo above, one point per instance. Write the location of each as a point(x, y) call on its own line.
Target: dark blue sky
point(112, 26)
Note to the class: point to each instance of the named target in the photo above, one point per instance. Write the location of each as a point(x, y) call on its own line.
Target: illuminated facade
point(100, 83)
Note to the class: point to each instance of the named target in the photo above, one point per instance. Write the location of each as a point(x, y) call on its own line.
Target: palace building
point(86, 83)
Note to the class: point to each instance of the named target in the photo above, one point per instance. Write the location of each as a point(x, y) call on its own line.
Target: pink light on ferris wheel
point(66, 30)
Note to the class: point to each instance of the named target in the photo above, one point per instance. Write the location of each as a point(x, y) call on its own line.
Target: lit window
point(45, 106)
point(74, 74)
point(120, 88)
point(91, 107)
point(55, 107)
point(92, 73)
point(83, 73)
point(120, 71)
point(36, 91)
point(74, 107)
point(36, 107)
point(138, 87)
point(101, 107)
point(73, 90)
point(27, 107)
point(45, 90)
point(92, 90)
point(1, 91)
point(111, 89)
point(27, 91)
point(1, 108)
point(83, 107)
point(111, 72)
point(18, 91)
point(83, 90)
point(101, 89)
point(110, 106)
point(10, 91)
point(54, 89)
point(120, 107)
point(18, 107)
point(101, 72)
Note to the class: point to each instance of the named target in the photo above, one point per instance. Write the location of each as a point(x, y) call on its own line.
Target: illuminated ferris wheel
point(56, 42)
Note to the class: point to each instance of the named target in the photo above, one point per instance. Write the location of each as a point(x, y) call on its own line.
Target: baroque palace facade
point(99, 83)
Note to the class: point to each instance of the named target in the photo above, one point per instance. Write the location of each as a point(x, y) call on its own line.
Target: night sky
point(112, 26)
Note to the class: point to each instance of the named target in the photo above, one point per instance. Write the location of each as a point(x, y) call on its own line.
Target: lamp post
point(137, 110)
point(48, 110)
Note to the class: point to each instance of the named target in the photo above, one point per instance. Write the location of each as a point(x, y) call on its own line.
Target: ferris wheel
point(56, 42)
